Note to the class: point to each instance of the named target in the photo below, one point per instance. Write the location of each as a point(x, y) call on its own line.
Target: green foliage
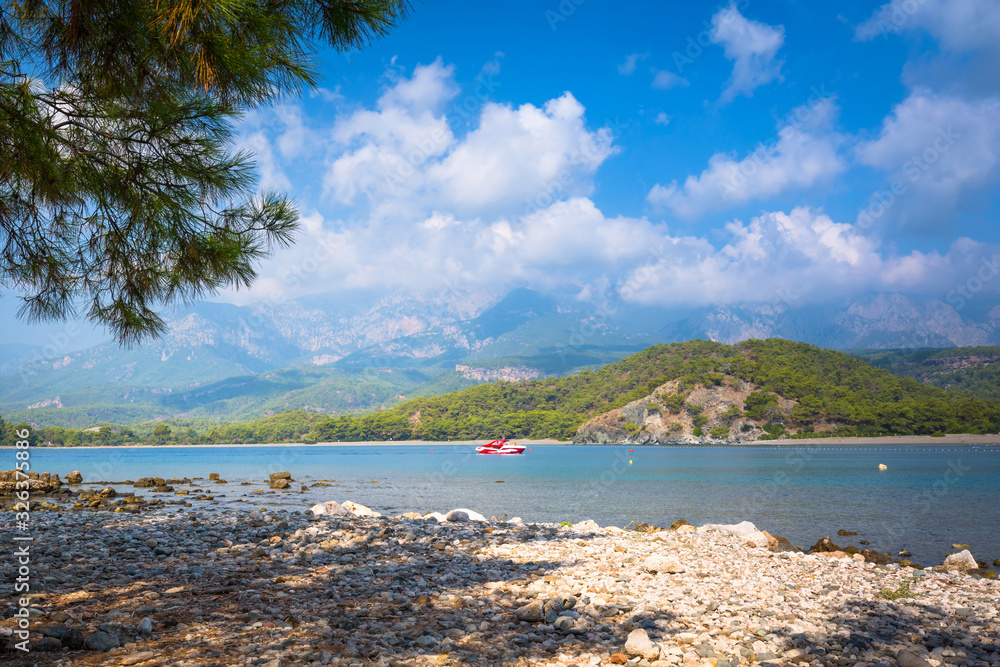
point(974, 370)
point(720, 432)
point(760, 406)
point(697, 432)
point(674, 403)
point(730, 415)
point(693, 409)
point(121, 187)
point(699, 420)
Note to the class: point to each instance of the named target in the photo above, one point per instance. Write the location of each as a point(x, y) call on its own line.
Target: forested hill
point(795, 388)
point(975, 370)
point(756, 389)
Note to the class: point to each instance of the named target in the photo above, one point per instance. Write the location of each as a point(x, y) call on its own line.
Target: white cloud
point(507, 204)
point(939, 149)
point(752, 46)
point(627, 67)
point(959, 25)
point(803, 252)
point(662, 119)
point(805, 153)
point(665, 80)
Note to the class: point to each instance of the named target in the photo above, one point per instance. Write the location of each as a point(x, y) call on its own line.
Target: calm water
point(927, 499)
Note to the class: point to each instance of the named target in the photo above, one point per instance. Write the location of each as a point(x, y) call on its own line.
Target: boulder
point(660, 564)
point(463, 515)
point(329, 508)
point(845, 533)
point(213, 476)
point(640, 645)
point(877, 557)
point(149, 482)
point(280, 475)
point(280, 483)
point(533, 612)
point(677, 524)
point(101, 641)
point(745, 530)
point(824, 545)
point(74, 477)
point(961, 562)
point(434, 516)
point(686, 528)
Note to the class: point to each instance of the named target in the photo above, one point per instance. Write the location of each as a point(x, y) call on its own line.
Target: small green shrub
point(720, 432)
point(700, 420)
point(697, 432)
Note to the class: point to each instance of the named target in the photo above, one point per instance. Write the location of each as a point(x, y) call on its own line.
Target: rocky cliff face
point(707, 414)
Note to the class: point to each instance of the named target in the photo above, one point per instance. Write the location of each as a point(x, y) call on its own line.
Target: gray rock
point(532, 612)
point(101, 641)
point(908, 659)
point(152, 543)
point(48, 644)
point(564, 623)
point(145, 626)
point(639, 644)
point(704, 651)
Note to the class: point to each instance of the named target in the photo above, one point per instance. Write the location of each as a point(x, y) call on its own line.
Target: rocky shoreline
point(343, 585)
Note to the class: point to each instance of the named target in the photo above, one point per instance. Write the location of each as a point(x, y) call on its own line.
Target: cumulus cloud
point(802, 252)
point(507, 204)
point(752, 46)
point(939, 150)
point(805, 153)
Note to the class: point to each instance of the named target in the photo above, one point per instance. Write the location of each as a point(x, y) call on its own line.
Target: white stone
point(639, 644)
point(330, 507)
point(658, 563)
point(358, 509)
point(962, 561)
point(745, 530)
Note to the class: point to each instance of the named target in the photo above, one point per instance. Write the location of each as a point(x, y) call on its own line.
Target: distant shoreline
point(950, 439)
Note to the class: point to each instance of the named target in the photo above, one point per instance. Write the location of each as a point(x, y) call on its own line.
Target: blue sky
point(670, 154)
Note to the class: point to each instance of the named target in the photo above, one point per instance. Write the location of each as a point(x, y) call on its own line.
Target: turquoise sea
point(926, 499)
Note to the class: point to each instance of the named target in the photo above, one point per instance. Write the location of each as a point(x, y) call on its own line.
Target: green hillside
point(975, 370)
point(796, 388)
point(827, 387)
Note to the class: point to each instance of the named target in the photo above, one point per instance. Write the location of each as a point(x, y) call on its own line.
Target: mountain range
point(332, 355)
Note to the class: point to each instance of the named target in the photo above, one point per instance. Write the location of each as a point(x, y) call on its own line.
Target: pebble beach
point(192, 586)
